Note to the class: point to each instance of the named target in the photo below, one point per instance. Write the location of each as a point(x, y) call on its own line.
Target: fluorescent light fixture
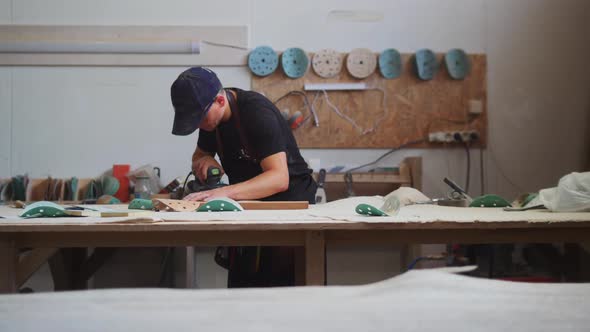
point(356, 15)
point(334, 86)
point(93, 46)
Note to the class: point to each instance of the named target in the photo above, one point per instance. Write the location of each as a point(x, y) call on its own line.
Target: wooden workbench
point(313, 229)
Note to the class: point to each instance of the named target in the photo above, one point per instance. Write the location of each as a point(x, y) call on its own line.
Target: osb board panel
point(392, 113)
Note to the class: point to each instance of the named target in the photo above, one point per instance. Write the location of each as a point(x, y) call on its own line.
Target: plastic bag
point(147, 171)
point(572, 194)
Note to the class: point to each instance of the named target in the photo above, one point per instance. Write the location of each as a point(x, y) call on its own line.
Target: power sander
point(212, 181)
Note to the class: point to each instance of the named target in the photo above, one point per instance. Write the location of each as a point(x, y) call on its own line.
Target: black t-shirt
point(267, 133)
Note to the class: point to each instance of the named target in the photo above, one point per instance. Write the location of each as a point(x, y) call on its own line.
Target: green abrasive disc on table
point(43, 209)
point(489, 201)
point(220, 205)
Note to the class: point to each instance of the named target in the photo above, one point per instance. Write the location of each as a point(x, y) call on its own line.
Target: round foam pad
point(361, 63)
point(426, 64)
point(390, 63)
point(327, 63)
point(457, 63)
point(263, 61)
point(295, 62)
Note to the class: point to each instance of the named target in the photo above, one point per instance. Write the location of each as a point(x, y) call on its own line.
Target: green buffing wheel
point(109, 184)
point(43, 209)
point(220, 205)
point(489, 201)
point(141, 204)
point(369, 210)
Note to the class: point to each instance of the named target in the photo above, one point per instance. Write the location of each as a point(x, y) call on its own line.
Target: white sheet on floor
point(420, 300)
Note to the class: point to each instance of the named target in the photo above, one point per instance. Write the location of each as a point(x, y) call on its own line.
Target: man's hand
point(201, 165)
point(209, 194)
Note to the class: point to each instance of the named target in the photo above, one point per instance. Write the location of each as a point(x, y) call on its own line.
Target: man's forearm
point(266, 184)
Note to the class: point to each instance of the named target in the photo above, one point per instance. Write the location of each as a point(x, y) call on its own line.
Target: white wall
point(79, 121)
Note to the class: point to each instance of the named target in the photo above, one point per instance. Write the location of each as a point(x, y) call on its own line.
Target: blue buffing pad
point(390, 63)
point(295, 62)
point(263, 61)
point(426, 64)
point(457, 63)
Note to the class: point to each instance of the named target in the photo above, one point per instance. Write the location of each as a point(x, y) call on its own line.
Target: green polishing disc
point(489, 201)
point(43, 209)
point(220, 205)
point(141, 204)
point(369, 210)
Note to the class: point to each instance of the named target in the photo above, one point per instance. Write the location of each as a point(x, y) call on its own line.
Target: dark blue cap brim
point(186, 122)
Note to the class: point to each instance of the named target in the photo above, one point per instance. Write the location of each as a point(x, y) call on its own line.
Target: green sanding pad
point(489, 201)
point(109, 184)
point(220, 205)
point(369, 210)
point(141, 204)
point(43, 209)
point(390, 207)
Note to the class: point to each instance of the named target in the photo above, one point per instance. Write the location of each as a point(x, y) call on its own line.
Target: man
point(258, 153)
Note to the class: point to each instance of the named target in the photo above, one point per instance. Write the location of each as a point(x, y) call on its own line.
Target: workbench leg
point(315, 258)
point(8, 266)
point(190, 267)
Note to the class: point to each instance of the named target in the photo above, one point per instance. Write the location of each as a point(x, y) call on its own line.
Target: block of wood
point(175, 205)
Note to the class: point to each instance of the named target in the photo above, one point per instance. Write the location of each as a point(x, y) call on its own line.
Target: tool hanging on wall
point(263, 61)
point(425, 64)
point(295, 62)
point(390, 63)
point(457, 63)
point(327, 63)
point(320, 195)
point(361, 63)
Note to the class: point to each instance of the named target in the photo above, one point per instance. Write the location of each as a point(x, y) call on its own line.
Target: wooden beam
point(315, 258)
point(190, 279)
point(8, 262)
point(31, 262)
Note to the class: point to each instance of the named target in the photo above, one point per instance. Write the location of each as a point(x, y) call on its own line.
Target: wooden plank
point(466, 236)
point(189, 206)
point(299, 261)
point(371, 177)
point(31, 262)
point(234, 54)
point(21, 231)
point(415, 165)
point(315, 258)
point(390, 113)
point(8, 267)
point(274, 205)
point(190, 277)
point(164, 239)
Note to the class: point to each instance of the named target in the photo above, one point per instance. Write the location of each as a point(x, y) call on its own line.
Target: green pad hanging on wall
point(141, 204)
point(457, 63)
point(489, 201)
point(425, 64)
point(295, 62)
point(109, 185)
point(390, 63)
point(263, 61)
point(220, 205)
point(43, 209)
